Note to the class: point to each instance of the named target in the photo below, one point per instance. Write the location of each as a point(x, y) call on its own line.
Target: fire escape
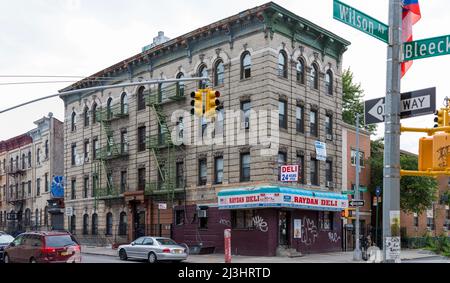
point(105, 155)
point(162, 146)
point(13, 196)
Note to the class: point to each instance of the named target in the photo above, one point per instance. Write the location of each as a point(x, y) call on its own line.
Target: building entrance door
point(284, 225)
point(139, 224)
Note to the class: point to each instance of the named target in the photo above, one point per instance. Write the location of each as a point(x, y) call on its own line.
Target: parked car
point(43, 247)
point(5, 240)
point(153, 249)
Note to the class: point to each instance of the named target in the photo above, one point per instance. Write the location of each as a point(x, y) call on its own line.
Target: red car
point(43, 247)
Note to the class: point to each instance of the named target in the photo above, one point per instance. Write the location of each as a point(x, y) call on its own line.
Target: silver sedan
point(153, 249)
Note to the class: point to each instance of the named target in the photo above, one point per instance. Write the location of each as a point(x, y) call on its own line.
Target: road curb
point(94, 253)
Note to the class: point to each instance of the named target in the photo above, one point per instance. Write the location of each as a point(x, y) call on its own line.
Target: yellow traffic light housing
point(212, 102)
point(442, 119)
point(197, 103)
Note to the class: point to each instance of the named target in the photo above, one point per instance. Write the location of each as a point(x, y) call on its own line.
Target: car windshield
point(6, 239)
point(60, 241)
point(166, 242)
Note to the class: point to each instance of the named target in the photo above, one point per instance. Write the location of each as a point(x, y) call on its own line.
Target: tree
point(417, 194)
point(352, 101)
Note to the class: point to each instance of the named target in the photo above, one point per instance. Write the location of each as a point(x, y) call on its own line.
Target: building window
point(329, 127)
point(246, 65)
point(124, 104)
point(85, 224)
point(38, 186)
point(94, 113)
point(73, 224)
point(242, 219)
point(219, 73)
point(47, 185)
point(179, 217)
point(29, 188)
point(109, 224)
point(301, 71)
point(245, 107)
point(313, 125)
point(326, 220)
point(218, 170)
point(94, 225)
point(203, 73)
point(86, 117)
point(86, 151)
point(29, 159)
point(329, 82)
point(23, 161)
point(314, 77)
point(416, 220)
point(329, 171)
point(282, 64)
point(361, 158)
point(73, 121)
point(314, 172)
point(282, 108)
point(301, 169)
point(73, 189)
point(202, 176)
point(203, 218)
point(141, 138)
point(73, 154)
point(245, 167)
point(180, 85)
point(141, 179)
point(38, 157)
point(141, 99)
point(123, 182)
point(282, 160)
point(86, 187)
point(123, 142)
point(123, 224)
point(95, 185)
point(300, 119)
point(430, 219)
point(109, 113)
point(95, 148)
point(180, 175)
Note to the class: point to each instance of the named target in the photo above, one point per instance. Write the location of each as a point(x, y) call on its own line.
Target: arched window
point(73, 224)
point(17, 162)
point(11, 164)
point(314, 76)
point(219, 73)
point(329, 82)
point(300, 71)
point(141, 98)
point(86, 116)
point(23, 161)
point(38, 156)
point(85, 224)
point(203, 73)
point(94, 113)
point(180, 85)
point(73, 121)
point(94, 224)
point(246, 65)
point(282, 64)
point(124, 104)
point(109, 113)
point(109, 223)
point(46, 216)
point(29, 159)
point(123, 224)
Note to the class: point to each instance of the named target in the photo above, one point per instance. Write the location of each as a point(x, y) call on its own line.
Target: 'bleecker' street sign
point(357, 19)
point(425, 48)
point(412, 104)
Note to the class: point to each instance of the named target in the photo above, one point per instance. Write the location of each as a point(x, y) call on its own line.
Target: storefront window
point(242, 219)
point(326, 220)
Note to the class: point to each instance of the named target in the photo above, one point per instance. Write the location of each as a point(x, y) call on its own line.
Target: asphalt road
point(90, 258)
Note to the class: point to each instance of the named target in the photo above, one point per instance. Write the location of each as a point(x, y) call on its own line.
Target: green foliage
point(440, 245)
point(352, 101)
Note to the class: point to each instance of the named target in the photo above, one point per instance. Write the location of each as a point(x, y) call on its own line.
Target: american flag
point(411, 15)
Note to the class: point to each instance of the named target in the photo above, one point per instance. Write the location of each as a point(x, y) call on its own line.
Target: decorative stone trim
point(314, 107)
point(329, 112)
point(283, 149)
point(300, 152)
point(244, 149)
point(300, 102)
point(244, 98)
point(179, 159)
point(283, 97)
point(202, 156)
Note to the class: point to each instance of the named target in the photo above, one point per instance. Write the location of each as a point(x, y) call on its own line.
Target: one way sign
point(412, 104)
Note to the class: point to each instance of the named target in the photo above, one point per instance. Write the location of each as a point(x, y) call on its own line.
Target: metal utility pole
point(391, 178)
point(357, 252)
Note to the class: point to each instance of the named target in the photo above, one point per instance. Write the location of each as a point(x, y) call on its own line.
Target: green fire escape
point(161, 145)
point(106, 154)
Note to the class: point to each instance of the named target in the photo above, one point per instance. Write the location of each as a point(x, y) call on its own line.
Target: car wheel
point(6, 258)
point(123, 254)
point(152, 258)
point(32, 260)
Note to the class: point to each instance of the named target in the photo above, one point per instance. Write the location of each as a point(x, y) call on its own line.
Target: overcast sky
point(79, 38)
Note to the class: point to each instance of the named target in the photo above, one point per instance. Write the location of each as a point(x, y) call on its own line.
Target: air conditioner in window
point(330, 184)
point(246, 124)
point(86, 159)
point(329, 137)
point(202, 213)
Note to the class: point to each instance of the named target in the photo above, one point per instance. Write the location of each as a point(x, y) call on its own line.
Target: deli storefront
point(264, 219)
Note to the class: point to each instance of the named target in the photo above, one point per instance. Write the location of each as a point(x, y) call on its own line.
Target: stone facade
point(263, 32)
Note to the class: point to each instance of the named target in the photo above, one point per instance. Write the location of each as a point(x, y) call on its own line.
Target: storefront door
point(284, 224)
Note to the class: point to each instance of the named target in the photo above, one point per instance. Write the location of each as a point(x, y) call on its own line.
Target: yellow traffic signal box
point(442, 118)
point(197, 103)
point(434, 152)
point(212, 102)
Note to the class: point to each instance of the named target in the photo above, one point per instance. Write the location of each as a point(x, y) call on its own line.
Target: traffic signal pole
point(357, 252)
point(391, 178)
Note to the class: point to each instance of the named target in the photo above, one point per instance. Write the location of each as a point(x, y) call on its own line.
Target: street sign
point(289, 173)
point(69, 211)
point(357, 19)
point(356, 203)
point(378, 191)
point(162, 206)
point(425, 48)
point(12, 216)
point(413, 104)
point(363, 189)
point(348, 192)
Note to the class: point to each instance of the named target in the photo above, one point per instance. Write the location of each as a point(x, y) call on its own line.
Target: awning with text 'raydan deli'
point(281, 197)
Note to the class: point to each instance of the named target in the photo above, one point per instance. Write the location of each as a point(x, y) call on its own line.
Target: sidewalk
point(336, 257)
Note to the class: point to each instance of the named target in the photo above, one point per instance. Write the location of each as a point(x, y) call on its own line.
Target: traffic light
point(345, 213)
point(434, 152)
point(442, 119)
point(212, 102)
point(197, 103)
